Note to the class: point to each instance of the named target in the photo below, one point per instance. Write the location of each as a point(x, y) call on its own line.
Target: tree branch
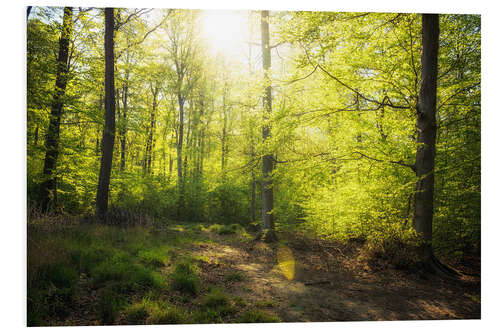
point(400, 162)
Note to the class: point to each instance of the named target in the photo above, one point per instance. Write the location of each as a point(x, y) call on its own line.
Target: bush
point(155, 257)
point(108, 305)
point(184, 277)
point(397, 246)
point(50, 292)
point(124, 275)
point(230, 229)
point(228, 203)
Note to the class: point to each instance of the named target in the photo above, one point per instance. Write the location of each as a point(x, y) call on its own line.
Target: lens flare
point(286, 262)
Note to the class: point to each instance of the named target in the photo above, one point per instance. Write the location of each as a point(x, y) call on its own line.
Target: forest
point(200, 166)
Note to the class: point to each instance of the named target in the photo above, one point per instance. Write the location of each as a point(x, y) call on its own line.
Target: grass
point(184, 277)
point(116, 262)
point(155, 257)
point(230, 229)
point(258, 316)
point(235, 277)
point(154, 312)
point(138, 276)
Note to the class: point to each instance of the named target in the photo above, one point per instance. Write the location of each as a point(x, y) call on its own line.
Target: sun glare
point(226, 31)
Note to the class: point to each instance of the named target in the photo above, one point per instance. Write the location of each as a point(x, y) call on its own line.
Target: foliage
point(343, 138)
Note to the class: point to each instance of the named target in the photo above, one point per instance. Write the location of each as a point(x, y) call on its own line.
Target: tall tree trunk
point(253, 202)
point(48, 186)
point(267, 160)
point(35, 139)
point(426, 144)
point(108, 137)
point(152, 125)
point(180, 180)
point(224, 135)
point(123, 128)
point(426, 127)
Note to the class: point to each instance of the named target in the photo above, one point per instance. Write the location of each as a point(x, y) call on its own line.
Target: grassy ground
point(88, 274)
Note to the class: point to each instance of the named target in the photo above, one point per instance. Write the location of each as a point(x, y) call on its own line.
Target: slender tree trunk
point(224, 135)
point(108, 137)
point(180, 180)
point(426, 141)
point(152, 125)
point(267, 160)
point(35, 139)
point(253, 202)
point(123, 129)
point(48, 186)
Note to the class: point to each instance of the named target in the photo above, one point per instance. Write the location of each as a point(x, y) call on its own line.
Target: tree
point(108, 137)
point(426, 142)
point(267, 160)
point(48, 186)
point(182, 51)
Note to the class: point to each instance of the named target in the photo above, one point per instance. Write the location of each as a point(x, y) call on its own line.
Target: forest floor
point(238, 279)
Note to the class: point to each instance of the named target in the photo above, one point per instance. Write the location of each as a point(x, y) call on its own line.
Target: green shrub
point(184, 277)
point(397, 246)
point(155, 257)
point(226, 229)
point(51, 290)
point(125, 275)
point(257, 316)
point(207, 316)
point(87, 257)
point(154, 312)
point(228, 203)
point(136, 314)
point(108, 305)
point(215, 299)
point(167, 315)
point(235, 277)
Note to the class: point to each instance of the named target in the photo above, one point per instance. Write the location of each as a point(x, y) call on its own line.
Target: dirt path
point(329, 285)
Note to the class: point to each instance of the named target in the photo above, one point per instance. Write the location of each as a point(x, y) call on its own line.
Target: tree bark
point(224, 134)
point(108, 137)
point(152, 126)
point(267, 160)
point(426, 149)
point(123, 129)
point(48, 186)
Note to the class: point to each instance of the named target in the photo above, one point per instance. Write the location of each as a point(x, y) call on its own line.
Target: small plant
point(108, 306)
point(230, 229)
point(235, 277)
point(185, 277)
point(167, 315)
point(240, 302)
point(125, 275)
point(215, 298)
point(154, 312)
point(219, 302)
point(137, 313)
point(155, 257)
point(258, 316)
point(266, 303)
